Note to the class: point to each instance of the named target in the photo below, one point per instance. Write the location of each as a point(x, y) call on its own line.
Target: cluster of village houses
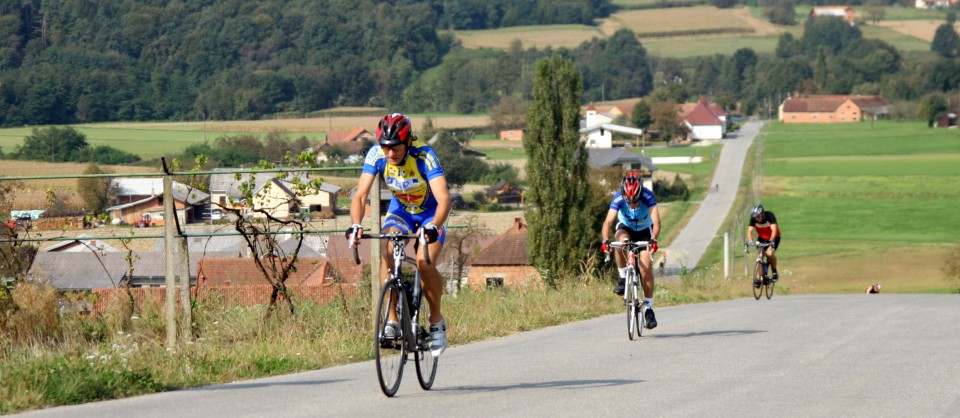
point(324, 260)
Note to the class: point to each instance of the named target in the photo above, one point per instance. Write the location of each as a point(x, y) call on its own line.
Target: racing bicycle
point(403, 301)
point(636, 308)
point(762, 283)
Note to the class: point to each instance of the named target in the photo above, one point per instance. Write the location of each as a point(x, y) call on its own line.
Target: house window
point(494, 282)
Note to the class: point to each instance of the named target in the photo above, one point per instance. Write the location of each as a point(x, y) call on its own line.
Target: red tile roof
point(243, 272)
point(510, 249)
point(705, 114)
point(349, 135)
point(830, 103)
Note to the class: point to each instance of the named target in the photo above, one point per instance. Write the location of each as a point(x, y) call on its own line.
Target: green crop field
point(869, 201)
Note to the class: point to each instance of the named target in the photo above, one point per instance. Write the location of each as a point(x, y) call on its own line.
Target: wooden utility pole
point(171, 283)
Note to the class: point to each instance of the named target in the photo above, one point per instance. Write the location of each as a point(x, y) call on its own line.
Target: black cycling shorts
point(776, 242)
point(642, 235)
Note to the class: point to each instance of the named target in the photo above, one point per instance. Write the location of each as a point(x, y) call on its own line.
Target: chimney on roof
point(703, 99)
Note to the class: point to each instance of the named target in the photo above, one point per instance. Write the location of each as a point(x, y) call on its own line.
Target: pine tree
point(558, 236)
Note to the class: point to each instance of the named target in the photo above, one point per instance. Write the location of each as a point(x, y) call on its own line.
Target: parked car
point(457, 202)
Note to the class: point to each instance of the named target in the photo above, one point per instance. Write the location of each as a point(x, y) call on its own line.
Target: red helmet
point(631, 188)
point(394, 129)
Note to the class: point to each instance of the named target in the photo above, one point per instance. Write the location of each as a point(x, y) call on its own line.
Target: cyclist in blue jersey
point(634, 209)
point(421, 200)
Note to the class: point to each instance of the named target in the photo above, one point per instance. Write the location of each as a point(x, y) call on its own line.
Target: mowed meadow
point(860, 203)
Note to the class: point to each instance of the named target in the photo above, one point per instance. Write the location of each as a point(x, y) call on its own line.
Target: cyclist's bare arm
point(655, 217)
point(359, 202)
point(438, 186)
point(608, 223)
point(750, 233)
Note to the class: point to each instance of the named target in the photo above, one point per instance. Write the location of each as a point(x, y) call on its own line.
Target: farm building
point(597, 128)
point(844, 12)
point(141, 199)
point(511, 135)
point(503, 262)
point(225, 191)
point(832, 108)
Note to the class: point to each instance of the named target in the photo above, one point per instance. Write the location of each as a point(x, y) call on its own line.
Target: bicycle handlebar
point(629, 245)
point(393, 237)
point(758, 244)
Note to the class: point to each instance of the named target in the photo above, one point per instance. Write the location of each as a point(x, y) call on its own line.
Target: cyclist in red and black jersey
point(764, 223)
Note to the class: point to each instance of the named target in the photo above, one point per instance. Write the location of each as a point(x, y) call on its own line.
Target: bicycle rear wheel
point(426, 362)
point(631, 301)
point(757, 275)
point(391, 353)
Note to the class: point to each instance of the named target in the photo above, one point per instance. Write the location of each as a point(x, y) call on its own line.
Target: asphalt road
point(692, 242)
point(805, 355)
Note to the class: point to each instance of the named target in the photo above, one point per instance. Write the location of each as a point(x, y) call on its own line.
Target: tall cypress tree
point(558, 236)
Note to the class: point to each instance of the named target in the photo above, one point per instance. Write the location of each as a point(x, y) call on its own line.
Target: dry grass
point(309, 125)
point(901, 269)
point(34, 194)
point(639, 21)
point(921, 29)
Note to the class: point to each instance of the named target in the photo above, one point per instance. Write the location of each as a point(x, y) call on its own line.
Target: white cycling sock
point(649, 302)
point(623, 272)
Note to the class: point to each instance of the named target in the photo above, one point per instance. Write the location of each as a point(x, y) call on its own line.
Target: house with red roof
point(704, 120)
point(350, 140)
point(828, 108)
point(843, 12)
point(503, 262)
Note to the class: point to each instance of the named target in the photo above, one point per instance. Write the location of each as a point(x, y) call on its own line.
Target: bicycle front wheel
point(769, 289)
point(757, 275)
point(391, 352)
point(630, 298)
point(426, 362)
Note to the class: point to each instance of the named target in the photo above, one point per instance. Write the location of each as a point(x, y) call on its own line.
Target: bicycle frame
point(761, 255)
point(762, 268)
point(399, 257)
point(636, 309)
point(404, 301)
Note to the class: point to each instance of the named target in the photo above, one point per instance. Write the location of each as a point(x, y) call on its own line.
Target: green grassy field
point(149, 142)
point(859, 203)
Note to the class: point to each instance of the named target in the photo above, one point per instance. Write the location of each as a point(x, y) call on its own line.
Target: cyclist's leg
point(772, 257)
point(432, 281)
point(646, 270)
point(433, 285)
point(620, 235)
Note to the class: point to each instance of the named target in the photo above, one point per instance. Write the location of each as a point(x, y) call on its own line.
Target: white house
point(705, 121)
point(934, 4)
point(597, 129)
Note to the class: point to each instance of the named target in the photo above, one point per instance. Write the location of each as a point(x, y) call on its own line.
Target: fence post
point(171, 284)
point(726, 255)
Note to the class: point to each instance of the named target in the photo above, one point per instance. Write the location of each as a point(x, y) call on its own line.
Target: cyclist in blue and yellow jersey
point(764, 223)
point(637, 219)
point(421, 200)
